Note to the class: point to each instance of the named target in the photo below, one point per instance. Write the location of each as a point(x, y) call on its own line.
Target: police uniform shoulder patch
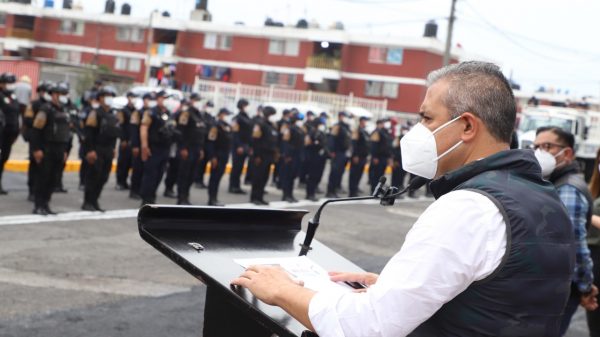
point(147, 118)
point(92, 119)
point(135, 118)
point(335, 130)
point(256, 131)
point(212, 134)
point(375, 136)
point(286, 135)
point(40, 120)
point(28, 112)
point(307, 140)
point(235, 126)
point(121, 117)
point(184, 118)
point(355, 134)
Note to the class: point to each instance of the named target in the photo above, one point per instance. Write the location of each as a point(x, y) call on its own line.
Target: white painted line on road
point(106, 285)
point(12, 220)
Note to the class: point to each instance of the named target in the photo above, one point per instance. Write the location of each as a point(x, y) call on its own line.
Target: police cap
point(107, 91)
point(148, 95)
point(195, 96)
point(269, 110)
point(242, 103)
point(162, 94)
point(224, 111)
point(8, 78)
point(131, 94)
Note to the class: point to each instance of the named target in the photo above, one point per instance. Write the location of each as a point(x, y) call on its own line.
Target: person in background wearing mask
point(554, 149)
point(219, 146)
point(593, 241)
point(476, 262)
point(317, 153)
point(381, 151)
point(309, 123)
point(242, 135)
point(257, 118)
point(264, 153)
point(360, 152)
point(22, 92)
point(49, 140)
point(208, 113)
point(190, 148)
point(66, 101)
point(137, 165)
point(398, 173)
point(10, 109)
point(102, 129)
point(285, 119)
point(292, 143)
point(82, 117)
point(339, 146)
point(124, 161)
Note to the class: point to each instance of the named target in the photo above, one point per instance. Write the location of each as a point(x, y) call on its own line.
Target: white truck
point(583, 124)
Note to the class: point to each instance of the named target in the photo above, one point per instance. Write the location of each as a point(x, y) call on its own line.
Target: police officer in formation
point(360, 152)
point(102, 129)
point(137, 165)
point(208, 112)
point(339, 144)
point(156, 136)
point(381, 150)
point(317, 153)
point(398, 172)
point(192, 124)
point(9, 121)
point(124, 160)
point(220, 138)
point(292, 144)
point(264, 153)
point(50, 135)
point(242, 136)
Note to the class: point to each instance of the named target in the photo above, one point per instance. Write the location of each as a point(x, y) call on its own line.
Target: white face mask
point(108, 100)
point(47, 97)
point(387, 125)
point(63, 99)
point(419, 150)
point(299, 124)
point(151, 104)
point(198, 105)
point(322, 127)
point(209, 110)
point(10, 86)
point(547, 161)
point(272, 119)
point(95, 105)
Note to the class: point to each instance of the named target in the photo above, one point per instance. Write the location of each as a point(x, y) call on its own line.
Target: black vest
point(527, 293)
point(570, 175)
point(57, 129)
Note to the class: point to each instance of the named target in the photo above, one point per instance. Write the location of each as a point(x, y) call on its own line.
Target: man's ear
point(569, 153)
point(472, 126)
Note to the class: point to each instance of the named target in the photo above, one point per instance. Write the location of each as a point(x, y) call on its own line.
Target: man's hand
point(38, 156)
point(240, 150)
point(589, 301)
point(91, 157)
point(184, 154)
point(213, 164)
point(267, 283)
point(375, 161)
point(201, 154)
point(145, 153)
point(135, 152)
point(123, 144)
point(65, 155)
point(367, 279)
point(355, 160)
point(257, 161)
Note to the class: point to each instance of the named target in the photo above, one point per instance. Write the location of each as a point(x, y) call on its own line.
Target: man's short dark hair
point(482, 89)
point(564, 137)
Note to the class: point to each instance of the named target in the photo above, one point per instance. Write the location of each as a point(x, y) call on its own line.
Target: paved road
point(89, 274)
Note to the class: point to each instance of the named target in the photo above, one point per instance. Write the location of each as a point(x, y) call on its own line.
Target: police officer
point(90, 94)
point(66, 101)
point(190, 149)
point(220, 139)
point(339, 144)
point(10, 109)
point(291, 152)
point(257, 118)
point(124, 160)
point(209, 118)
point(156, 136)
point(242, 135)
point(264, 153)
point(102, 128)
point(308, 125)
point(137, 165)
point(360, 152)
point(285, 118)
point(381, 150)
point(398, 173)
point(317, 153)
point(49, 137)
point(81, 118)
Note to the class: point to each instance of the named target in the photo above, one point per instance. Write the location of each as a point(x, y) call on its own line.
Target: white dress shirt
point(459, 239)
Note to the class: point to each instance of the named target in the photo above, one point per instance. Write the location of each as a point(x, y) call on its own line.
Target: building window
point(386, 55)
point(381, 89)
point(128, 64)
point(72, 27)
point(130, 34)
point(68, 56)
point(284, 47)
point(217, 41)
point(2, 19)
point(279, 79)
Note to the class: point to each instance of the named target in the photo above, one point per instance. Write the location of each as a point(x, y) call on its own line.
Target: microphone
point(390, 196)
point(378, 189)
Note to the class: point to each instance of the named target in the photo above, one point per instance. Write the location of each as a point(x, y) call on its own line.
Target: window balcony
point(20, 33)
point(324, 62)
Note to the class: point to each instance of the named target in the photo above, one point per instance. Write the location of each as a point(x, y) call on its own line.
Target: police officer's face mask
point(63, 99)
point(151, 104)
point(47, 96)
point(272, 118)
point(10, 86)
point(108, 100)
point(419, 150)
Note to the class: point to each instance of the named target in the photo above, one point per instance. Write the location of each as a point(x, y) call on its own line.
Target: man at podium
point(492, 256)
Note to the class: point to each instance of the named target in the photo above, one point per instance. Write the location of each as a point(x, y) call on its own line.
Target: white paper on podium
point(301, 268)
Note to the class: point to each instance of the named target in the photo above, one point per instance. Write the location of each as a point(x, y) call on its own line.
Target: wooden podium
point(205, 240)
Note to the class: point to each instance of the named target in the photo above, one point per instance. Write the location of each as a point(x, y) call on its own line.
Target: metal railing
point(324, 62)
point(20, 33)
point(227, 94)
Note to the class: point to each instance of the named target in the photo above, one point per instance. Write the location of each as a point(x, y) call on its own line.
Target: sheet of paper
point(302, 268)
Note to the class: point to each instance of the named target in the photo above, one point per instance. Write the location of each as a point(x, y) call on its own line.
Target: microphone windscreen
point(417, 183)
point(382, 180)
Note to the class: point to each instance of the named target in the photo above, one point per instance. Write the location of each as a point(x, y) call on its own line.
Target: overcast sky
point(547, 43)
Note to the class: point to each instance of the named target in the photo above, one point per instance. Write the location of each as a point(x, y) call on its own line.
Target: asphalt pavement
point(90, 274)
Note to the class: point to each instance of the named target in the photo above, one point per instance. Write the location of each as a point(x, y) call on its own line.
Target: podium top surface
point(205, 240)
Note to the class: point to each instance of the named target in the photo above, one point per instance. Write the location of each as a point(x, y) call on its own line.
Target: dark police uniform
point(292, 137)
point(360, 152)
point(398, 173)
point(264, 154)
point(381, 151)
point(28, 117)
point(242, 136)
point(137, 165)
point(317, 153)
point(200, 169)
point(193, 128)
point(339, 145)
point(50, 134)
point(219, 146)
point(10, 108)
point(73, 113)
point(160, 136)
point(80, 124)
point(102, 128)
point(124, 161)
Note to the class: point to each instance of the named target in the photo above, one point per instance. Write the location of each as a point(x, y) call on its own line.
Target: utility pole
point(150, 37)
point(449, 37)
